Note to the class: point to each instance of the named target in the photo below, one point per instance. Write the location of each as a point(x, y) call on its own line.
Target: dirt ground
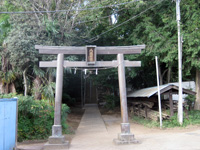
point(112, 118)
point(73, 121)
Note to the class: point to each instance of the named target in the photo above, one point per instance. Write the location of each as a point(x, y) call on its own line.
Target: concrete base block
point(56, 140)
point(57, 130)
point(63, 146)
point(125, 127)
point(125, 138)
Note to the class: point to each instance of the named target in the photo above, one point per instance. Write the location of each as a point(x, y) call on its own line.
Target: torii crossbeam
point(125, 137)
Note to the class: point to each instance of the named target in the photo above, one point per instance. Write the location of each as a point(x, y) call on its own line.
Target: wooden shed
point(149, 96)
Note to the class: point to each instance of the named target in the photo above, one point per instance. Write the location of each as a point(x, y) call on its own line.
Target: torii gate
point(57, 140)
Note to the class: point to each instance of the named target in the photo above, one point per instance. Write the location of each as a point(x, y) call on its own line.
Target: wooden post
point(125, 137)
point(85, 82)
point(57, 140)
point(57, 128)
point(122, 88)
point(171, 104)
point(82, 89)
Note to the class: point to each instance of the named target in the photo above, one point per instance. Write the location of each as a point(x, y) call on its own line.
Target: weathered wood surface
point(144, 109)
point(171, 103)
point(122, 88)
point(79, 64)
point(145, 103)
point(70, 50)
point(150, 114)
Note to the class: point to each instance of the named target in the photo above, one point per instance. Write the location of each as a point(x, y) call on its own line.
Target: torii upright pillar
point(57, 140)
point(125, 137)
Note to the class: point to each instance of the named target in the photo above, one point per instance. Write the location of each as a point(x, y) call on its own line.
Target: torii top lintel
point(106, 50)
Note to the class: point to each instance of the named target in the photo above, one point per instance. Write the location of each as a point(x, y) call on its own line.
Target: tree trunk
point(6, 88)
point(25, 83)
point(1, 87)
point(160, 74)
point(169, 74)
point(12, 88)
point(51, 78)
point(197, 102)
point(37, 84)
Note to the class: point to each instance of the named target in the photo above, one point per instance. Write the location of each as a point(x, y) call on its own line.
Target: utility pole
point(180, 100)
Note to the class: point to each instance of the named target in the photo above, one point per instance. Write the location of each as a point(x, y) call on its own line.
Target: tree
point(191, 42)
point(7, 74)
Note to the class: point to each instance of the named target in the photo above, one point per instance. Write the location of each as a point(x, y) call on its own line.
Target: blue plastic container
point(8, 123)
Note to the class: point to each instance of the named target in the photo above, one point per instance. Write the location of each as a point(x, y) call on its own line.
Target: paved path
point(91, 133)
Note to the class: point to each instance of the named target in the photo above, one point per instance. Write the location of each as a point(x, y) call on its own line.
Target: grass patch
point(146, 122)
point(193, 119)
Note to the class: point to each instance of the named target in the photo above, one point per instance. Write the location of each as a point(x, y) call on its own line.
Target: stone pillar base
point(55, 143)
point(125, 138)
point(57, 130)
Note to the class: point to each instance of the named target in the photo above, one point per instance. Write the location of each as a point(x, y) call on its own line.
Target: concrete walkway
point(91, 133)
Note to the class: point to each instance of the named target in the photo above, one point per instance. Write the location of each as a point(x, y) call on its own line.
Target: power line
point(97, 37)
point(93, 19)
point(55, 11)
point(99, 18)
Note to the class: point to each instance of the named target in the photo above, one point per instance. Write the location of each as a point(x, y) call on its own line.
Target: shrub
point(111, 101)
point(190, 101)
point(35, 118)
point(68, 99)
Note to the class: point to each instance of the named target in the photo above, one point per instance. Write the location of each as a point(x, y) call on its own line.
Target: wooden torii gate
point(57, 140)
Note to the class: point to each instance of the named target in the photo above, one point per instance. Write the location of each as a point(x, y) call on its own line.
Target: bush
point(68, 99)
point(111, 101)
point(35, 118)
point(190, 101)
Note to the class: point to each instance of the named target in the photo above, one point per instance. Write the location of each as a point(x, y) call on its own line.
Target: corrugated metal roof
point(147, 92)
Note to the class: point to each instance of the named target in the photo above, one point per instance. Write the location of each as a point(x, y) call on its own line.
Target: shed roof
point(148, 92)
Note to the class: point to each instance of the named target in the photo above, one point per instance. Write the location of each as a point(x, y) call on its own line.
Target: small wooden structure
point(148, 97)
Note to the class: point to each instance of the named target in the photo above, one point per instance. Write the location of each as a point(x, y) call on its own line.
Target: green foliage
point(173, 122)
point(48, 92)
point(145, 122)
point(108, 79)
point(8, 77)
point(35, 118)
point(190, 100)
point(193, 119)
point(68, 99)
point(111, 101)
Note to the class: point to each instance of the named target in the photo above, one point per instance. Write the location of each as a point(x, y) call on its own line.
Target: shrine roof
point(148, 92)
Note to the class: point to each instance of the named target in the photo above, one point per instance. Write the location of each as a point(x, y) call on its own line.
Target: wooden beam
point(171, 104)
point(73, 50)
point(185, 91)
point(83, 64)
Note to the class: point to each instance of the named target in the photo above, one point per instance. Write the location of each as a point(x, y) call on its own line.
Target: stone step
point(37, 146)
